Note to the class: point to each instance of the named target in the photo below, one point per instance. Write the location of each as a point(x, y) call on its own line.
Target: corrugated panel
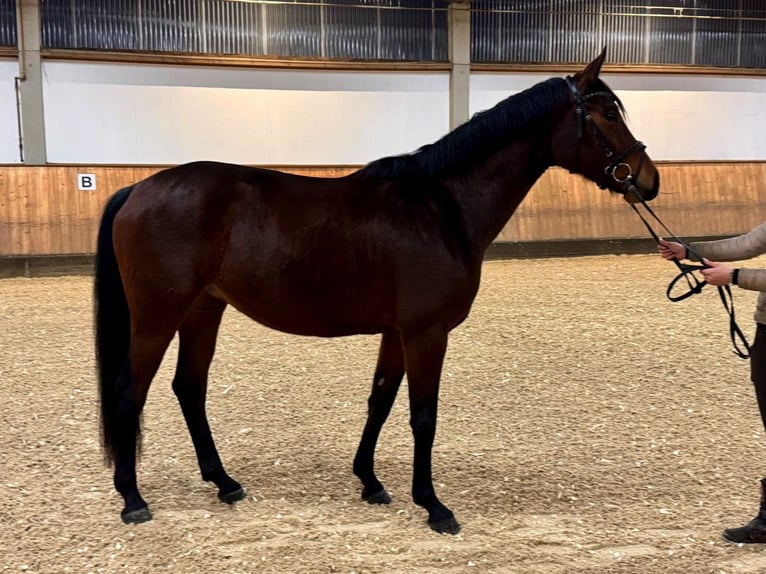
point(233, 27)
point(439, 38)
point(408, 34)
point(57, 24)
point(557, 30)
point(576, 31)
point(171, 26)
point(717, 33)
point(386, 29)
point(537, 30)
point(153, 25)
point(671, 30)
point(503, 31)
point(7, 23)
point(753, 51)
point(625, 28)
point(702, 32)
point(293, 29)
point(352, 31)
point(106, 25)
point(753, 45)
point(343, 29)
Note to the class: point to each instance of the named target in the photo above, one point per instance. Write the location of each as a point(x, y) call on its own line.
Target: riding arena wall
point(115, 123)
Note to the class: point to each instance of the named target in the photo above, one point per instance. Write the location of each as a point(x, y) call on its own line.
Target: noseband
point(618, 169)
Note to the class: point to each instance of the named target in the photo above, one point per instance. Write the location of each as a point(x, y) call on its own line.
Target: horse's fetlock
point(361, 467)
point(424, 499)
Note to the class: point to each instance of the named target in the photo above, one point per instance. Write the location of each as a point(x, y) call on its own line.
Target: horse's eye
point(611, 116)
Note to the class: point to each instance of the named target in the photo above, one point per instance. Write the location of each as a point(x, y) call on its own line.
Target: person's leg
point(755, 530)
point(758, 369)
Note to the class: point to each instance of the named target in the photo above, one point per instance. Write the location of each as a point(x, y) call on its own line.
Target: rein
point(622, 173)
point(738, 339)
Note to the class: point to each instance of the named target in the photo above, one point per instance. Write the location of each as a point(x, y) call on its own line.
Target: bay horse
point(394, 248)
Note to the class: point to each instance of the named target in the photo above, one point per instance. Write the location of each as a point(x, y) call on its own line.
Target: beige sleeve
point(752, 279)
point(745, 246)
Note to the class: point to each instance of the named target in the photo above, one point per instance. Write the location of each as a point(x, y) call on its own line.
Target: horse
point(395, 249)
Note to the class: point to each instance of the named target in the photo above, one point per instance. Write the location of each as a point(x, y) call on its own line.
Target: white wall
point(678, 117)
point(111, 113)
point(134, 114)
point(9, 130)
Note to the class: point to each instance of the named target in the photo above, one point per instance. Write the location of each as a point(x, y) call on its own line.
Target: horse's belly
point(315, 316)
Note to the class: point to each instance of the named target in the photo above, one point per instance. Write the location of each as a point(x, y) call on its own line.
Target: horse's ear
point(590, 73)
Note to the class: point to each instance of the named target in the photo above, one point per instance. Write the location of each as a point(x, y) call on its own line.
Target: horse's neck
point(490, 193)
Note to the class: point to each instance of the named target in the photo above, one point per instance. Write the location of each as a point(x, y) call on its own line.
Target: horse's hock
point(579, 432)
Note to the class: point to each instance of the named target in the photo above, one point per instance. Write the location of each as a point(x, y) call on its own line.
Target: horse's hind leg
point(197, 337)
point(146, 351)
point(388, 376)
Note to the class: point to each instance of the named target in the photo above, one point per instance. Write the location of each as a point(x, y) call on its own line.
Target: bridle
point(618, 169)
point(622, 173)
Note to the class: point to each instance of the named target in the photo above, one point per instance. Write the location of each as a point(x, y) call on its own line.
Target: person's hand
point(717, 274)
point(671, 250)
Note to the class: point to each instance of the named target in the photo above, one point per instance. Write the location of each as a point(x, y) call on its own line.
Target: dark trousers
point(758, 368)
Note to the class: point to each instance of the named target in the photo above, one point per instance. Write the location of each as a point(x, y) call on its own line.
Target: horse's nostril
point(650, 193)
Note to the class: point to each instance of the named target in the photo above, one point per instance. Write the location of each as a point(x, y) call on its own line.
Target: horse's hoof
point(445, 526)
point(233, 496)
point(136, 516)
point(380, 497)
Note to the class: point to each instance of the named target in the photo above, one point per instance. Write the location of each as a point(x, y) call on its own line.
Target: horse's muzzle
point(635, 193)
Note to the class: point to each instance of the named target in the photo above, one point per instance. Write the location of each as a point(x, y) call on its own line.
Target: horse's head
point(592, 139)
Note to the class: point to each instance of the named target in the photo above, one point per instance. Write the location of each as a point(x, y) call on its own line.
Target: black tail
point(112, 322)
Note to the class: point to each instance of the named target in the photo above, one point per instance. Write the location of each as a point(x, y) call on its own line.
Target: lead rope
point(738, 339)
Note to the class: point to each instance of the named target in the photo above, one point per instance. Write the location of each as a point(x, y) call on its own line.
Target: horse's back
point(322, 256)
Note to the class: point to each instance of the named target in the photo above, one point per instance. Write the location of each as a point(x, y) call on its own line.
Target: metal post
point(459, 32)
point(29, 83)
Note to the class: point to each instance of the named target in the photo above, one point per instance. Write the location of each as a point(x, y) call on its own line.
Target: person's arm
point(743, 246)
point(672, 250)
point(718, 274)
point(751, 279)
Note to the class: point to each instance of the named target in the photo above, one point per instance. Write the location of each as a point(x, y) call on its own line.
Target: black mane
point(484, 133)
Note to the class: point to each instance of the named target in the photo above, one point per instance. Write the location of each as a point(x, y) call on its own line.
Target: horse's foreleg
point(197, 338)
point(388, 376)
point(424, 355)
point(145, 356)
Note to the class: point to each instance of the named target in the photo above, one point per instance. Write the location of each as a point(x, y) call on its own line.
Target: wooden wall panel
point(43, 213)
point(696, 199)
